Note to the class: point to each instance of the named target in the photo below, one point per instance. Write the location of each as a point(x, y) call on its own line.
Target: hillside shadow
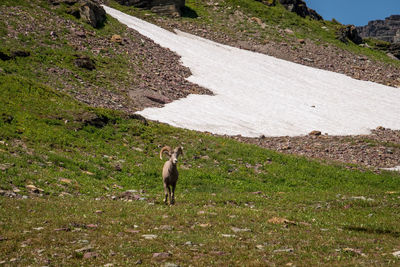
point(373, 231)
point(187, 12)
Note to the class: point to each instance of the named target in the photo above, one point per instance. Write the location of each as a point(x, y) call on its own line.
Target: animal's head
point(173, 154)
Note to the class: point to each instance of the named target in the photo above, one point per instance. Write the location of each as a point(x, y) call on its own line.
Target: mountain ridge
point(386, 30)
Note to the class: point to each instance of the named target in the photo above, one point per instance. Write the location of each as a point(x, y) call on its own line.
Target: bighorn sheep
point(170, 172)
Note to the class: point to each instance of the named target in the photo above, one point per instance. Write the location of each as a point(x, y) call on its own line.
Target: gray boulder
point(92, 13)
point(89, 10)
point(84, 62)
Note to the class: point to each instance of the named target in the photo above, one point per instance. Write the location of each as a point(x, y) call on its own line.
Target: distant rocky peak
point(386, 30)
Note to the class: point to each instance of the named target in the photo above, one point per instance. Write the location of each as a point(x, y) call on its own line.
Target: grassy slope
point(44, 139)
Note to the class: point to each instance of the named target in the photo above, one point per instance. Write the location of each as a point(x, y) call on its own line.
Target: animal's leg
point(173, 193)
point(166, 192)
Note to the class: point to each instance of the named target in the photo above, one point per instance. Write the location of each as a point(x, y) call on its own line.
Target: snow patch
point(256, 94)
point(395, 169)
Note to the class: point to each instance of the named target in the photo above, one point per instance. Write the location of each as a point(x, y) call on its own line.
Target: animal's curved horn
point(165, 148)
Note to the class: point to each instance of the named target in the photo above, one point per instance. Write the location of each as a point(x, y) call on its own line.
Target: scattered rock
point(237, 230)
point(258, 21)
point(354, 251)
point(91, 226)
point(158, 98)
point(34, 189)
point(94, 124)
point(84, 249)
point(227, 235)
point(80, 34)
point(284, 250)
point(289, 31)
point(6, 166)
point(132, 231)
point(150, 237)
point(396, 254)
point(89, 255)
point(161, 255)
point(277, 220)
point(131, 195)
point(116, 39)
point(315, 133)
point(65, 181)
point(84, 62)
point(169, 264)
point(65, 229)
point(166, 227)
point(362, 198)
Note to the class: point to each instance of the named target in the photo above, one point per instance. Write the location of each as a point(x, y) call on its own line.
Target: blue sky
point(357, 12)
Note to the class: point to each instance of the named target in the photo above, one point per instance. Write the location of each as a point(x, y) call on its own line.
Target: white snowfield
point(256, 94)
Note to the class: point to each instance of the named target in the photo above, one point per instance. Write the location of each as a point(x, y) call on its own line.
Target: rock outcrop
point(171, 8)
point(300, 8)
point(92, 13)
point(349, 32)
point(297, 6)
point(88, 10)
point(394, 49)
point(386, 30)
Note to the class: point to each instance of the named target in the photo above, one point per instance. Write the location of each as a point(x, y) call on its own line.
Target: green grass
point(49, 140)
point(59, 53)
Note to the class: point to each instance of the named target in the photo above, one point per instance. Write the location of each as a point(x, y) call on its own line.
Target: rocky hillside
point(110, 66)
point(386, 30)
